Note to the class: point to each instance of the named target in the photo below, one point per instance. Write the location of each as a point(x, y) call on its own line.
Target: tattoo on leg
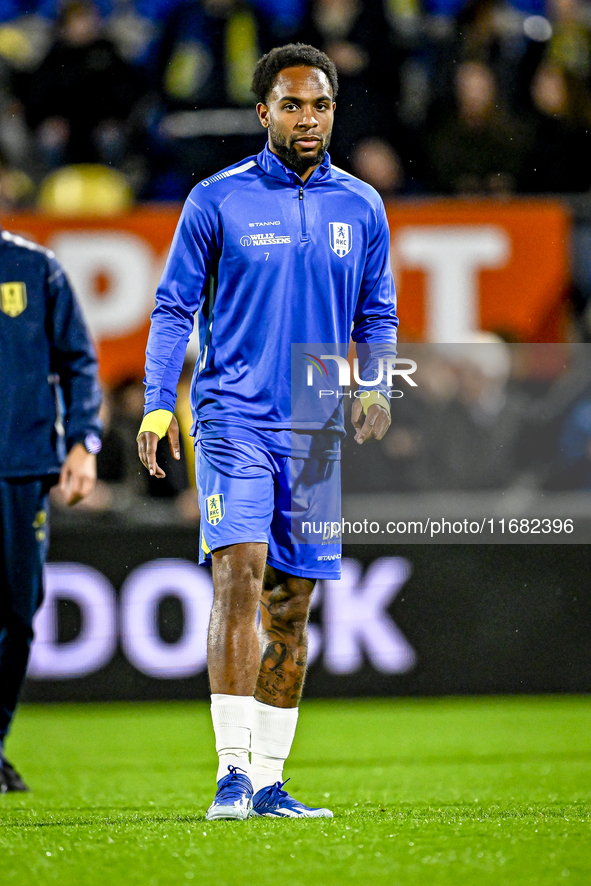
point(274, 656)
point(283, 637)
point(281, 677)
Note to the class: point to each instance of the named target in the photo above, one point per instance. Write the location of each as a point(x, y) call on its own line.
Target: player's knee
point(237, 590)
point(237, 567)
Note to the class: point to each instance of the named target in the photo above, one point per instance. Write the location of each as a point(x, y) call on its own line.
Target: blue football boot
point(233, 799)
point(274, 802)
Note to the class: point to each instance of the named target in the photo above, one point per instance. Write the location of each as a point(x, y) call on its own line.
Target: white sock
point(273, 730)
point(232, 725)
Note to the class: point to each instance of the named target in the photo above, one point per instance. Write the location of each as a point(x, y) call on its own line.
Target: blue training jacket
point(292, 263)
point(47, 363)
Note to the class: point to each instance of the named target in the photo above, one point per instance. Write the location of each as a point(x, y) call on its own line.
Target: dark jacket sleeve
point(73, 358)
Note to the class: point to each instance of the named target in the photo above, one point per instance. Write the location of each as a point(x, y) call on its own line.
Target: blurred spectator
point(491, 32)
point(570, 44)
point(20, 50)
point(478, 148)
point(128, 408)
point(557, 160)
point(17, 190)
point(464, 427)
point(561, 421)
point(281, 21)
point(570, 467)
point(376, 162)
point(80, 96)
point(411, 456)
point(209, 50)
point(414, 450)
point(357, 38)
point(135, 27)
point(486, 421)
point(438, 96)
point(120, 485)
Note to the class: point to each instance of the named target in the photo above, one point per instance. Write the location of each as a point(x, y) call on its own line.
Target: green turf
point(435, 791)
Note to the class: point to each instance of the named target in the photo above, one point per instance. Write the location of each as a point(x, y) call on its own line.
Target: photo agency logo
point(386, 370)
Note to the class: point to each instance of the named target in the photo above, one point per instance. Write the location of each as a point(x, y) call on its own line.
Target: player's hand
point(78, 474)
point(147, 443)
point(374, 424)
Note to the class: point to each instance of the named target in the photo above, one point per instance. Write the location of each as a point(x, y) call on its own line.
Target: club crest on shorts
point(13, 298)
point(214, 509)
point(341, 238)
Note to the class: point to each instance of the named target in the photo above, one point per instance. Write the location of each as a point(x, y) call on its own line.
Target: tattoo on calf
point(282, 672)
point(274, 656)
point(283, 647)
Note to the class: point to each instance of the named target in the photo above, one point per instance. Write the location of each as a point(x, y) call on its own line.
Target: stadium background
point(472, 119)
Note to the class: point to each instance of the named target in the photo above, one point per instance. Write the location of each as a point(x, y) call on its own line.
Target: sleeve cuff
point(157, 422)
point(377, 398)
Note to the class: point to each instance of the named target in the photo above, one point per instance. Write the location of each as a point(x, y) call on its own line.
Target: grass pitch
point(433, 791)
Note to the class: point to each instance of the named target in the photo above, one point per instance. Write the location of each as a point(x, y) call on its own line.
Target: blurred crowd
point(124, 488)
point(436, 96)
point(451, 97)
point(485, 416)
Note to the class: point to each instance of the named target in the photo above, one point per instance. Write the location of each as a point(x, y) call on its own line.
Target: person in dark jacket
point(49, 401)
point(79, 99)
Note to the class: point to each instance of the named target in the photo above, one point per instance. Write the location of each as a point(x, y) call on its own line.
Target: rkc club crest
point(13, 298)
point(341, 237)
point(214, 509)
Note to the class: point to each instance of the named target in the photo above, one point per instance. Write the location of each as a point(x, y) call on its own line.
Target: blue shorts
point(248, 494)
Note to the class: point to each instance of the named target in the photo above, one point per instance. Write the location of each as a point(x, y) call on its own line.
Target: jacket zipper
point(304, 234)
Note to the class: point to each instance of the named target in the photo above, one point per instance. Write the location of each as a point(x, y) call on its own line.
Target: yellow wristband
point(375, 397)
point(158, 421)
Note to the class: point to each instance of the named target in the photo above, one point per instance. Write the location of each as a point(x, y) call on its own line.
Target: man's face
point(299, 115)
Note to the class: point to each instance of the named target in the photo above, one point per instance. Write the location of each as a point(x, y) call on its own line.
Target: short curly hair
point(293, 55)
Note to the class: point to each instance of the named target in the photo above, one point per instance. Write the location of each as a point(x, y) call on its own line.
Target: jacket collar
point(275, 167)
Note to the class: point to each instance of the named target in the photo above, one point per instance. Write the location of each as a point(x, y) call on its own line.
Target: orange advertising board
point(460, 266)
point(500, 266)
